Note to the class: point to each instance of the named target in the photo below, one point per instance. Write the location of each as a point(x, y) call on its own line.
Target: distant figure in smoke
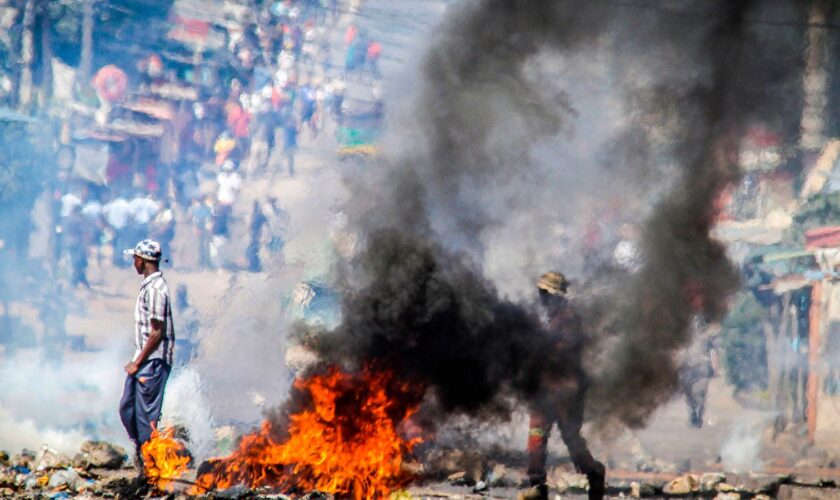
point(163, 228)
point(563, 402)
point(308, 109)
point(52, 312)
point(290, 143)
point(201, 212)
point(154, 340)
point(77, 247)
point(188, 325)
point(696, 368)
point(278, 226)
point(374, 50)
point(255, 227)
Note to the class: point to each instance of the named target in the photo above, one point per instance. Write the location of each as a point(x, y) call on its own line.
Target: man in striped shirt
point(154, 341)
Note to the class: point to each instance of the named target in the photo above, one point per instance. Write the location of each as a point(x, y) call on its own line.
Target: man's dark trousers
point(142, 399)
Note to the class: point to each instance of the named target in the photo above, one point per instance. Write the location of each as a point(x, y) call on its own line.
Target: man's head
point(553, 283)
point(146, 256)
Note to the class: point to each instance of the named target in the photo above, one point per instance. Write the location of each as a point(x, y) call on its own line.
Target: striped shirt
point(153, 303)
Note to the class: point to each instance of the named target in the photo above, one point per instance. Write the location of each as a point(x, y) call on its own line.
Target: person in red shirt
point(374, 50)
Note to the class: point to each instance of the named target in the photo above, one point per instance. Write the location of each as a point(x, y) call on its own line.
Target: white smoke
point(241, 357)
point(185, 404)
point(61, 405)
point(18, 433)
point(742, 449)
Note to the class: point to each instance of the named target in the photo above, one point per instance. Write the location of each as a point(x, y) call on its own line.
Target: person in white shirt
point(117, 214)
point(69, 202)
point(229, 182)
point(144, 209)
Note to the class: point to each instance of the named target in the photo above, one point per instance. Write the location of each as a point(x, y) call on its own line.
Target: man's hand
point(131, 368)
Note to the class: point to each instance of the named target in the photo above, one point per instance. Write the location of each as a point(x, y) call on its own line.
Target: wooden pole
point(46, 56)
point(814, 327)
point(27, 48)
point(815, 83)
point(86, 59)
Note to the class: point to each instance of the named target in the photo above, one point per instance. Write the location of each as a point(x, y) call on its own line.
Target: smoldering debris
point(742, 448)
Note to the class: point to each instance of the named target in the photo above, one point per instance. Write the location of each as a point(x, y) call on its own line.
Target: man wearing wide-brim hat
point(563, 395)
point(154, 342)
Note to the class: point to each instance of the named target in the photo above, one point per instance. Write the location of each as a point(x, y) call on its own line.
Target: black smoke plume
point(432, 319)
point(415, 297)
point(735, 82)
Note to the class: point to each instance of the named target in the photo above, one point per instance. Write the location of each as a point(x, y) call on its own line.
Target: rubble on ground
point(48, 473)
point(102, 470)
point(710, 481)
point(99, 454)
point(565, 481)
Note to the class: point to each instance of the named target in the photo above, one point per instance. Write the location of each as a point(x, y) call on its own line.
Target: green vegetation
point(24, 172)
point(743, 345)
point(821, 209)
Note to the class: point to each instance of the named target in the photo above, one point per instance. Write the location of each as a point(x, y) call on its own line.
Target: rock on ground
point(102, 455)
point(793, 492)
point(683, 485)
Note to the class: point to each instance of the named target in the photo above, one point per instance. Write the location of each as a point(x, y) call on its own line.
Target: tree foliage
point(744, 345)
point(122, 28)
point(24, 172)
point(821, 209)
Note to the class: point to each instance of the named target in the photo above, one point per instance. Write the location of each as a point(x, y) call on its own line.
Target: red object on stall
point(110, 83)
point(822, 237)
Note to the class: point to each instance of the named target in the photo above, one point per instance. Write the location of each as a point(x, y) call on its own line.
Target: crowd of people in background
point(272, 87)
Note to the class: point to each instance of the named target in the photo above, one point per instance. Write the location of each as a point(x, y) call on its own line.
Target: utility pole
point(87, 41)
point(46, 55)
point(27, 48)
point(815, 82)
point(813, 138)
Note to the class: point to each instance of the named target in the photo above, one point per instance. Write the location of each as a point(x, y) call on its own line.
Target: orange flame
point(345, 443)
point(164, 458)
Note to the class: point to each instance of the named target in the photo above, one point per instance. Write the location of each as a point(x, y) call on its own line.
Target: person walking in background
point(92, 213)
point(220, 231)
point(374, 50)
point(188, 325)
point(77, 247)
point(255, 227)
point(201, 212)
point(52, 312)
point(695, 361)
point(308, 108)
point(278, 226)
point(163, 228)
point(229, 182)
point(154, 342)
point(290, 143)
point(117, 214)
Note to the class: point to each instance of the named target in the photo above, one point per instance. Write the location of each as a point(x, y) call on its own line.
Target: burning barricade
point(165, 458)
point(346, 440)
